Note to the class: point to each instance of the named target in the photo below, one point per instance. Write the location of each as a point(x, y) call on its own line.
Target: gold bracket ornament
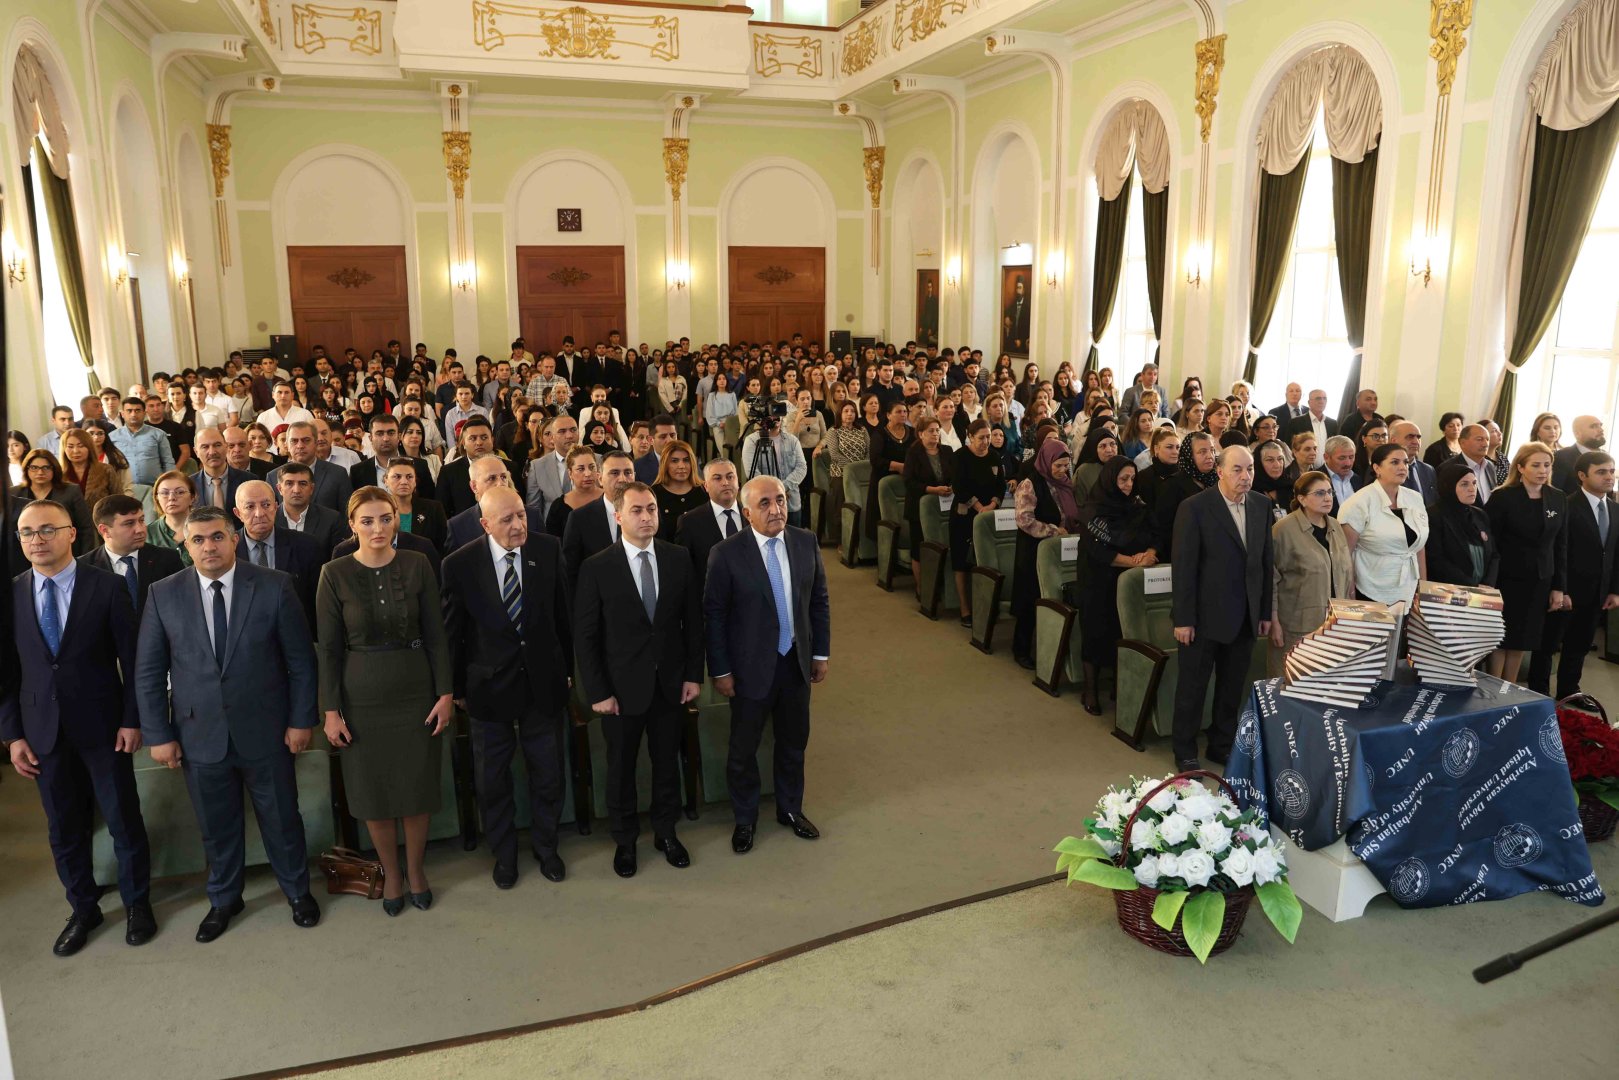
point(219, 155)
point(1210, 63)
point(875, 156)
point(676, 156)
point(775, 275)
point(351, 277)
point(458, 160)
point(1448, 23)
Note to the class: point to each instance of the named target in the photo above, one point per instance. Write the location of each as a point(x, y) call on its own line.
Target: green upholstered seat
point(994, 558)
point(820, 498)
point(938, 585)
point(714, 741)
point(1056, 625)
point(854, 547)
point(893, 534)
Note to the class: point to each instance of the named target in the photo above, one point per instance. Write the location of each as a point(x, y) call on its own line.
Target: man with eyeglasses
point(70, 720)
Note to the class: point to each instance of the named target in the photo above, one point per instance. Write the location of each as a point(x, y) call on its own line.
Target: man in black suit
point(488, 472)
point(225, 675)
point(640, 673)
point(298, 512)
point(1291, 409)
point(769, 631)
point(700, 529)
point(477, 441)
point(1588, 436)
point(1365, 410)
point(506, 614)
point(332, 486)
point(1421, 477)
point(69, 716)
point(215, 483)
point(121, 521)
point(1593, 578)
point(259, 541)
point(373, 471)
point(1315, 420)
point(239, 456)
point(593, 527)
point(1217, 610)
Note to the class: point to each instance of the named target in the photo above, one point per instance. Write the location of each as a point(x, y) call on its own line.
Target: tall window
point(1308, 343)
point(1575, 369)
point(68, 379)
point(1129, 341)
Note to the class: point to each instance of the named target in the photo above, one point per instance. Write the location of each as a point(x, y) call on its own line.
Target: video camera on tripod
point(764, 411)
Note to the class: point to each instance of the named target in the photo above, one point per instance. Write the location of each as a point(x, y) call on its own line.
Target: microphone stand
point(1512, 961)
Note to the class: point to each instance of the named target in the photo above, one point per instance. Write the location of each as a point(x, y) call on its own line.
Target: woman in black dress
point(979, 486)
point(1116, 533)
point(1045, 508)
point(1163, 464)
point(1461, 540)
point(929, 470)
point(1530, 518)
point(889, 448)
point(676, 487)
point(1448, 445)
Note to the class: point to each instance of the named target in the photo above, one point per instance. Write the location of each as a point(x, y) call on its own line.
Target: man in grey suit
point(547, 478)
point(332, 484)
point(227, 624)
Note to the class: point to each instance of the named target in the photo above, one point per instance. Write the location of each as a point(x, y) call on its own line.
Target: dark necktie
point(128, 572)
point(50, 619)
point(730, 523)
point(259, 556)
point(511, 590)
point(649, 587)
point(1602, 521)
point(219, 623)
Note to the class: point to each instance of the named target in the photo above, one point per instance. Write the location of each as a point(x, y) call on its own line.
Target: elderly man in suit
point(121, 521)
point(639, 628)
point(1315, 420)
point(1217, 610)
point(593, 527)
point(1421, 477)
point(487, 473)
point(1588, 436)
point(332, 484)
point(215, 483)
point(70, 719)
point(225, 674)
point(700, 529)
point(298, 511)
point(1593, 578)
point(769, 631)
point(262, 542)
point(511, 651)
point(548, 475)
point(1291, 409)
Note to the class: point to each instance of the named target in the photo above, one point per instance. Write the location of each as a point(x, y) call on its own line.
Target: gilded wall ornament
point(315, 26)
point(1448, 23)
point(351, 277)
point(775, 53)
point(568, 276)
point(219, 155)
point(458, 160)
point(574, 33)
point(266, 23)
point(918, 20)
point(775, 275)
point(1210, 63)
point(676, 156)
point(860, 48)
point(874, 174)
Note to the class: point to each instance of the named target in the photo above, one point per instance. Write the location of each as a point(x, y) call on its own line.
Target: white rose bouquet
point(1192, 847)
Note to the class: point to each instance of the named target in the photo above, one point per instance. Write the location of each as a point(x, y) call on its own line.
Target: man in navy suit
point(1593, 577)
point(701, 529)
point(295, 484)
point(71, 722)
point(262, 542)
point(225, 675)
point(769, 630)
point(1420, 477)
point(215, 483)
point(485, 474)
point(121, 521)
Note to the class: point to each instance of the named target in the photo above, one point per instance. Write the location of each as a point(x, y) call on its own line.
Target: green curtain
point(1155, 228)
point(1112, 216)
point(1279, 199)
point(1564, 185)
point(70, 267)
point(1353, 187)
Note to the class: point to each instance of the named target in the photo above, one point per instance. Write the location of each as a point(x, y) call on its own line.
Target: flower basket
point(1591, 747)
point(1135, 918)
point(1597, 818)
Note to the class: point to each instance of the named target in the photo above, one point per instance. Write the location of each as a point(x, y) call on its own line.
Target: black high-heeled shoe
point(393, 907)
point(421, 901)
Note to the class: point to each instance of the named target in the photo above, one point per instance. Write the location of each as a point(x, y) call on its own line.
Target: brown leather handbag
point(348, 873)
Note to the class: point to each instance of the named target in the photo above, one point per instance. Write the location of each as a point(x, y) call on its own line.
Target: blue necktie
point(128, 564)
point(219, 623)
point(50, 619)
point(778, 588)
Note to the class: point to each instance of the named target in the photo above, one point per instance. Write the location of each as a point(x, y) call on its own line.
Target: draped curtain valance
point(1135, 137)
point(1577, 79)
point(1337, 80)
point(36, 112)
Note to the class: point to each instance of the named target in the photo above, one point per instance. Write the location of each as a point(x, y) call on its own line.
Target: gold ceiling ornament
point(266, 23)
point(458, 160)
point(574, 33)
point(1448, 23)
point(219, 155)
point(455, 89)
point(1210, 63)
point(843, 108)
point(688, 101)
point(775, 53)
point(918, 20)
point(351, 277)
point(676, 156)
point(861, 47)
point(875, 156)
point(775, 275)
point(314, 26)
point(989, 44)
point(568, 275)
point(269, 84)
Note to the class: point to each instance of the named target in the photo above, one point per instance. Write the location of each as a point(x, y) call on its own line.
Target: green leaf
point(1084, 847)
point(1610, 797)
point(1200, 922)
point(1105, 874)
point(1281, 908)
point(1167, 908)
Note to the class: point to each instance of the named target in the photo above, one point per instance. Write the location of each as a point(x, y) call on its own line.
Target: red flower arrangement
point(1592, 749)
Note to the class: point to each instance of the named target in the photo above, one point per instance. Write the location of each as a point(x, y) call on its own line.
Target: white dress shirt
point(228, 579)
point(719, 516)
point(1239, 516)
point(498, 554)
point(343, 457)
point(1318, 425)
point(295, 524)
point(1484, 471)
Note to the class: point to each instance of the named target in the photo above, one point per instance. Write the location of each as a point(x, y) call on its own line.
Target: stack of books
point(1343, 661)
point(1453, 627)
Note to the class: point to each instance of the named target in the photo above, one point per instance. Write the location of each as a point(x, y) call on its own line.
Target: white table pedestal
point(1331, 880)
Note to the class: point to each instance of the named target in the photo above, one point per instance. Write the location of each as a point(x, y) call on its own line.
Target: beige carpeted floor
point(935, 773)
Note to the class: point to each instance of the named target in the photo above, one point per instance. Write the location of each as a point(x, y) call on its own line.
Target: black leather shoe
point(802, 827)
point(674, 851)
point(1190, 764)
point(305, 912)
point(624, 860)
point(77, 932)
point(140, 926)
point(421, 901)
point(217, 921)
point(1218, 758)
point(1025, 662)
point(551, 867)
point(505, 876)
point(742, 839)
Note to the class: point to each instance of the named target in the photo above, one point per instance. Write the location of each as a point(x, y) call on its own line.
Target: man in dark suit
point(121, 521)
point(70, 718)
point(511, 648)
point(261, 542)
point(1217, 611)
point(488, 472)
point(215, 483)
point(1291, 409)
point(1588, 436)
point(298, 512)
point(769, 631)
point(1315, 420)
point(454, 491)
point(227, 624)
point(593, 527)
point(1421, 477)
point(646, 461)
point(640, 673)
point(700, 529)
point(373, 471)
point(1365, 410)
point(1593, 578)
point(332, 486)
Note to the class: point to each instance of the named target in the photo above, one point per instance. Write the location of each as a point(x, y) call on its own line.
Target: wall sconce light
point(1422, 247)
point(1053, 270)
point(182, 271)
point(952, 271)
point(1197, 258)
point(677, 273)
point(462, 275)
point(16, 268)
point(119, 265)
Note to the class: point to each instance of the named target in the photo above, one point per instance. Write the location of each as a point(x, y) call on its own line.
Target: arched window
point(1130, 340)
point(1132, 187)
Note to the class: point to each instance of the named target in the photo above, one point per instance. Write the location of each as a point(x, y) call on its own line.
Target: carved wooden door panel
point(777, 292)
point(562, 290)
point(354, 295)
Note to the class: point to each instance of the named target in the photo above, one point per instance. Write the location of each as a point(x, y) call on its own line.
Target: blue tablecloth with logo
point(1447, 795)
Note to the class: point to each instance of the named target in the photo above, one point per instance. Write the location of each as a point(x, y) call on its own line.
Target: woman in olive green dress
point(384, 666)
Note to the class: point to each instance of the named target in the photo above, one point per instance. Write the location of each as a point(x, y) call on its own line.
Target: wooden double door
point(575, 290)
point(354, 295)
point(777, 292)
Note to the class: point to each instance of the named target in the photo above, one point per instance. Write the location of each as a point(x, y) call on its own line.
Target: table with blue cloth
point(1447, 795)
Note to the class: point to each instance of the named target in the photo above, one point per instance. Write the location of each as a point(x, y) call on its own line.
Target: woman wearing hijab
point(1270, 476)
point(1101, 446)
point(1116, 534)
point(1196, 473)
point(1461, 543)
point(1045, 508)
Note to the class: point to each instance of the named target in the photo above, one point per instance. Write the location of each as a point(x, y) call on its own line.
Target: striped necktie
point(511, 590)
